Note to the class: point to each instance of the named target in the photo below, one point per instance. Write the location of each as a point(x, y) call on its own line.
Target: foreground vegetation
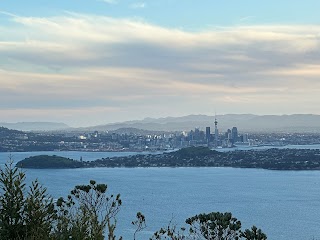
point(272, 159)
point(89, 213)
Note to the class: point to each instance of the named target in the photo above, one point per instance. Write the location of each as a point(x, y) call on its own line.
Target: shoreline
point(270, 159)
point(235, 148)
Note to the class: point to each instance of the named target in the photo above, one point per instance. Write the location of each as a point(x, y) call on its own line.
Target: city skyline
point(91, 62)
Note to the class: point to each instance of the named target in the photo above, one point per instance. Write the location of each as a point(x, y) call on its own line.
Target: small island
point(47, 162)
point(272, 159)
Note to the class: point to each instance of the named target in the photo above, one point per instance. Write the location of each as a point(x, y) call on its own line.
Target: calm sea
point(285, 204)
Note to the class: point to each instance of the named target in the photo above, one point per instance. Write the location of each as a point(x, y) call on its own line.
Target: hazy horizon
point(92, 62)
point(153, 120)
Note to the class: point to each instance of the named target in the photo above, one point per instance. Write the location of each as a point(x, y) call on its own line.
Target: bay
point(285, 204)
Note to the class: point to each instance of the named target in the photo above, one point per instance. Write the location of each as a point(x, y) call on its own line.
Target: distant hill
point(35, 126)
point(5, 132)
point(136, 131)
point(244, 122)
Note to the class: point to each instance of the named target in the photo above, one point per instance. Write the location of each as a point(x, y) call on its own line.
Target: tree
point(39, 213)
point(12, 202)
point(21, 216)
point(88, 213)
point(254, 234)
point(170, 232)
point(140, 224)
point(212, 226)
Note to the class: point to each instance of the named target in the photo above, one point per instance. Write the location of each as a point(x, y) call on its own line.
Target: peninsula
point(272, 159)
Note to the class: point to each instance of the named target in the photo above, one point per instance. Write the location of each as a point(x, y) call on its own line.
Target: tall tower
point(216, 132)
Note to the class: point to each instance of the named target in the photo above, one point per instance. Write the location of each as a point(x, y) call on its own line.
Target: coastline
point(270, 159)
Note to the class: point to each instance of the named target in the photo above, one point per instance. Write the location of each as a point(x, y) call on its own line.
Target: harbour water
point(284, 204)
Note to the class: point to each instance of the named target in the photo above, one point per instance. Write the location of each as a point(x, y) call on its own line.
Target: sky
point(90, 62)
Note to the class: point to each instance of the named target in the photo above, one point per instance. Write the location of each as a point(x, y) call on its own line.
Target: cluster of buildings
point(142, 140)
point(120, 141)
point(164, 141)
point(214, 139)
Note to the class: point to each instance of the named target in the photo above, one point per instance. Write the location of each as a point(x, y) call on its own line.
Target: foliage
point(39, 213)
point(140, 224)
point(23, 216)
point(213, 226)
point(12, 202)
point(170, 232)
point(253, 234)
point(87, 212)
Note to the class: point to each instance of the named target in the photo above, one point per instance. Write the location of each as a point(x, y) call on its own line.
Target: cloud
point(246, 18)
point(138, 5)
point(109, 1)
point(80, 61)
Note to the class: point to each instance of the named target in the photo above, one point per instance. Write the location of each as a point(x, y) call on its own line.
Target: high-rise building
point(228, 134)
point(208, 134)
point(234, 134)
point(246, 138)
point(197, 134)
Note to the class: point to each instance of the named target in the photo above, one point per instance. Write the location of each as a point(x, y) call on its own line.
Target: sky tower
point(216, 131)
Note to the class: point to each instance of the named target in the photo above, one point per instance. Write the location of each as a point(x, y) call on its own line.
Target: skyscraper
point(234, 134)
point(228, 134)
point(208, 134)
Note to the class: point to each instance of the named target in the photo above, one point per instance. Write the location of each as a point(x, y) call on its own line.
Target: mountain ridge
point(245, 122)
point(35, 126)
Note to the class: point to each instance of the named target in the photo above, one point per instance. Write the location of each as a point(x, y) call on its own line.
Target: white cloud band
point(123, 60)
